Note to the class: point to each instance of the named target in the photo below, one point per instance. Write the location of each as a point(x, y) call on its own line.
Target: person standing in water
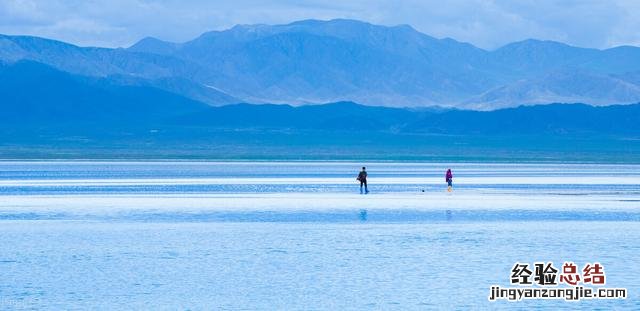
point(362, 177)
point(449, 179)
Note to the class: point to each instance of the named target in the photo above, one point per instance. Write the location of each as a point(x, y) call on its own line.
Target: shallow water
point(181, 235)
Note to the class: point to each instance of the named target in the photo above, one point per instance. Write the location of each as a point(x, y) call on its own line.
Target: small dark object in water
point(448, 214)
point(363, 215)
point(422, 190)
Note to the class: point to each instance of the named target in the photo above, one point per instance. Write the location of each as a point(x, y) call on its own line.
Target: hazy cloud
point(485, 23)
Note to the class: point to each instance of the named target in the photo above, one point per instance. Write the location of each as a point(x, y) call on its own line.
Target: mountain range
point(37, 96)
point(49, 113)
point(313, 61)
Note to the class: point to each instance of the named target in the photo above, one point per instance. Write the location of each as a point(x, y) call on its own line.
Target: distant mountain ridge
point(316, 61)
point(48, 113)
point(39, 97)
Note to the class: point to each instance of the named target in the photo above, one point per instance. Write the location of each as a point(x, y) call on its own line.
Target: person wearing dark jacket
point(449, 179)
point(362, 177)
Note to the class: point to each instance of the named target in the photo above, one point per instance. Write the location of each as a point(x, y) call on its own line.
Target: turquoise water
point(196, 236)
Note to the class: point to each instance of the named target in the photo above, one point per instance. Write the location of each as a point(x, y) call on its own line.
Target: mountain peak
point(36, 42)
point(335, 21)
point(154, 46)
point(534, 44)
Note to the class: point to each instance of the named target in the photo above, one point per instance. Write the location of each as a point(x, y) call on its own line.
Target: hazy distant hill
point(344, 60)
point(555, 119)
point(566, 86)
point(36, 96)
point(47, 113)
point(169, 73)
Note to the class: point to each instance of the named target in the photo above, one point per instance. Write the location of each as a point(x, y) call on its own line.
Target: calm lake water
point(299, 236)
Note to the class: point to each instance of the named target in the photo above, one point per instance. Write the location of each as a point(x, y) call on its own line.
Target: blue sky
point(485, 23)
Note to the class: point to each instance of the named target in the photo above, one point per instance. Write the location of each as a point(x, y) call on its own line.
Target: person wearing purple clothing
point(449, 179)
